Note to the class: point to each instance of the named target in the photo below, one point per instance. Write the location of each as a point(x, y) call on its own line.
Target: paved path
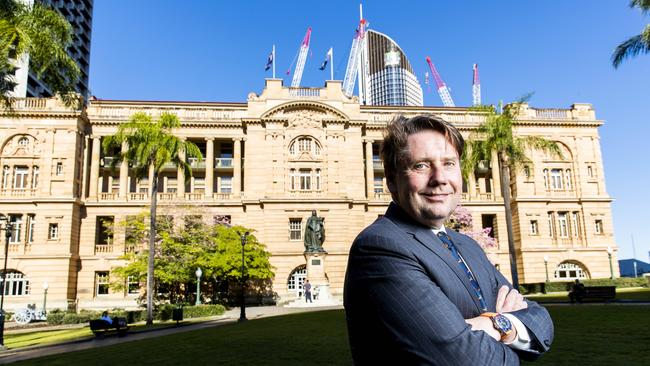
point(231, 316)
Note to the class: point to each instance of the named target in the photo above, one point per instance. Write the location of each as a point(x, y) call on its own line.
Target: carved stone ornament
point(21, 145)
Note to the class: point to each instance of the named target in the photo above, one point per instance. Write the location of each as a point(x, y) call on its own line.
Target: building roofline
point(166, 102)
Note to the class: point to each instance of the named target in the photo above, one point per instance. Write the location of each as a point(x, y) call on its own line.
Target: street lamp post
point(8, 231)
point(45, 287)
point(546, 266)
point(611, 268)
point(242, 314)
point(198, 285)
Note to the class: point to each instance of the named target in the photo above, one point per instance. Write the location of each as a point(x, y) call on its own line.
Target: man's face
point(429, 187)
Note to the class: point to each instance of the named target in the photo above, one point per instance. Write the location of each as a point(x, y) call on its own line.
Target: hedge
point(620, 282)
point(162, 312)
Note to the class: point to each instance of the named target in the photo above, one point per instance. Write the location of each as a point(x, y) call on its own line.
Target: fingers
point(501, 297)
point(513, 301)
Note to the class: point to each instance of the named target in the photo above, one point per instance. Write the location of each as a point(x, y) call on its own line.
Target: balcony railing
point(306, 193)
point(107, 196)
point(377, 164)
point(137, 196)
point(14, 247)
point(196, 163)
point(561, 193)
point(106, 161)
point(18, 193)
point(382, 196)
point(304, 92)
point(193, 196)
point(223, 162)
point(222, 196)
point(103, 248)
point(166, 196)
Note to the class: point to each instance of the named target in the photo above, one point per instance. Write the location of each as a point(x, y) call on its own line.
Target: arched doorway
point(296, 280)
point(570, 270)
point(17, 284)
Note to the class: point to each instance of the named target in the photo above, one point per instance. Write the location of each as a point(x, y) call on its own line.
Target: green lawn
point(585, 335)
point(633, 293)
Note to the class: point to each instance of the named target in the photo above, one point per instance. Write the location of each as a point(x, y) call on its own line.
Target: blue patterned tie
point(446, 240)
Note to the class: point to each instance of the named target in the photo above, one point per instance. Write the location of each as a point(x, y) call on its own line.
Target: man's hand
point(485, 324)
point(509, 300)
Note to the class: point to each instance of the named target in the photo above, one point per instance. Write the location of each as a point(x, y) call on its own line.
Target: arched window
point(296, 280)
point(16, 284)
point(570, 271)
point(305, 144)
point(23, 141)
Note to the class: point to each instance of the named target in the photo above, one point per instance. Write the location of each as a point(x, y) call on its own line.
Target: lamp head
point(46, 285)
point(546, 259)
point(198, 272)
point(610, 250)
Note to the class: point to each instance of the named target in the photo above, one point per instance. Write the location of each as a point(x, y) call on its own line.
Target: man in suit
point(417, 293)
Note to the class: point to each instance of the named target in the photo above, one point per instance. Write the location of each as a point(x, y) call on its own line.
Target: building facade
point(386, 76)
point(268, 163)
point(79, 14)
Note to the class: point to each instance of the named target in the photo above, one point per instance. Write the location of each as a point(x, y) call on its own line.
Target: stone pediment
point(21, 146)
point(304, 114)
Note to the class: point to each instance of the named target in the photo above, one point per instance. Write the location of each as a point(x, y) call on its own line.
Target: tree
point(44, 35)
point(461, 219)
point(215, 248)
point(496, 134)
point(635, 44)
point(149, 146)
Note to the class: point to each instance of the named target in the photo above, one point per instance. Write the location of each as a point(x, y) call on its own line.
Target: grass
point(632, 293)
point(584, 335)
point(45, 337)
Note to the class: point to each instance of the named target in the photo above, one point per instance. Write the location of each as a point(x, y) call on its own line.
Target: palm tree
point(150, 145)
point(496, 134)
point(44, 35)
point(636, 44)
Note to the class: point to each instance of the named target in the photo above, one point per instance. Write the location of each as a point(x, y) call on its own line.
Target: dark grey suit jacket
point(406, 299)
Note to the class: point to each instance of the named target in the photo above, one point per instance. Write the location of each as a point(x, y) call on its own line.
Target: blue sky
point(196, 50)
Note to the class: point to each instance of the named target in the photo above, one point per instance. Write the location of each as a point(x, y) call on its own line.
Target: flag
point(327, 58)
point(269, 62)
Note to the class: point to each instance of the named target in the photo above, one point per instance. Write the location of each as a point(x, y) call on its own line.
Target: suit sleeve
point(393, 305)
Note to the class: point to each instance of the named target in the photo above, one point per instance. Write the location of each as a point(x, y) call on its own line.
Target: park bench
point(101, 327)
point(593, 293)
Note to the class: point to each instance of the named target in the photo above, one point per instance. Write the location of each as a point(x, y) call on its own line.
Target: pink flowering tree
point(461, 220)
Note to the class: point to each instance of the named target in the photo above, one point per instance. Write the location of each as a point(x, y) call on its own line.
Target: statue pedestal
point(316, 268)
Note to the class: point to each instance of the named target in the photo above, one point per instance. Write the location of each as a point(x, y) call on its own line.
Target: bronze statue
point(314, 234)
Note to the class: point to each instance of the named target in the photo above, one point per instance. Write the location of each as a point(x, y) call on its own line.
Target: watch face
point(502, 323)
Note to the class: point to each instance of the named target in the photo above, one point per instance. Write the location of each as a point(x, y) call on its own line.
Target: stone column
point(124, 173)
point(84, 172)
point(370, 173)
point(236, 165)
point(94, 167)
point(496, 181)
point(209, 166)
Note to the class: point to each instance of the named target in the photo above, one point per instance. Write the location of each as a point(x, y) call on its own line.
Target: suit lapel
point(473, 260)
point(426, 237)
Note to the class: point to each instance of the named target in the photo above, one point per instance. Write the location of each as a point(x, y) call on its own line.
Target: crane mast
point(302, 58)
point(358, 43)
point(476, 87)
point(443, 90)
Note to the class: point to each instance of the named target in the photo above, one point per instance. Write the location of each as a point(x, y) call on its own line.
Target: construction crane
point(358, 43)
point(476, 87)
point(302, 58)
point(442, 87)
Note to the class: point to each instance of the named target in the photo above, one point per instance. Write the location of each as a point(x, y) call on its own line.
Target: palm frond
point(631, 47)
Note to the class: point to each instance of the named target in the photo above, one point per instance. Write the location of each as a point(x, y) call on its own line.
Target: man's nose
point(437, 176)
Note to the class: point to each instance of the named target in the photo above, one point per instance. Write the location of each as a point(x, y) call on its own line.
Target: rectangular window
point(53, 231)
point(59, 168)
point(199, 185)
point(598, 226)
point(551, 226)
point(132, 285)
point(563, 224)
point(534, 229)
point(317, 179)
point(104, 229)
point(101, 283)
point(378, 185)
point(489, 220)
point(17, 227)
point(31, 225)
point(305, 179)
point(20, 177)
point(170, 185)
point(590, 171)
point(35, 174)
point(567, 179)
point(295, 229)
point(575, 224)
point(556, 178)
point(226, 185)
point(6, 177)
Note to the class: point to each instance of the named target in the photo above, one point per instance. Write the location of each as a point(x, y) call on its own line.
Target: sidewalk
point(229, 317)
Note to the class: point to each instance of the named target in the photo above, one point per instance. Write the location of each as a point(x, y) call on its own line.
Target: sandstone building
point(268, 163)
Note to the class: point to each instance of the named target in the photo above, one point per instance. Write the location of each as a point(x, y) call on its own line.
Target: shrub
point(55, 317)
point(621, 282)
point(164, 312)
point(202, 311)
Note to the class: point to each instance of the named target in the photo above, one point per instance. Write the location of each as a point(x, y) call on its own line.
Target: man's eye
point(420, 166)
point(450, 163)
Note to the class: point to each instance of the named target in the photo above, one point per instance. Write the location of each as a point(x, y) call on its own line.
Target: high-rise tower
point(386, 76)
point(79, 14)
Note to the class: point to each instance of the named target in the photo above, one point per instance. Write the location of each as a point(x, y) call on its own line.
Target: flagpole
point(332, 63)
point(273, 61)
